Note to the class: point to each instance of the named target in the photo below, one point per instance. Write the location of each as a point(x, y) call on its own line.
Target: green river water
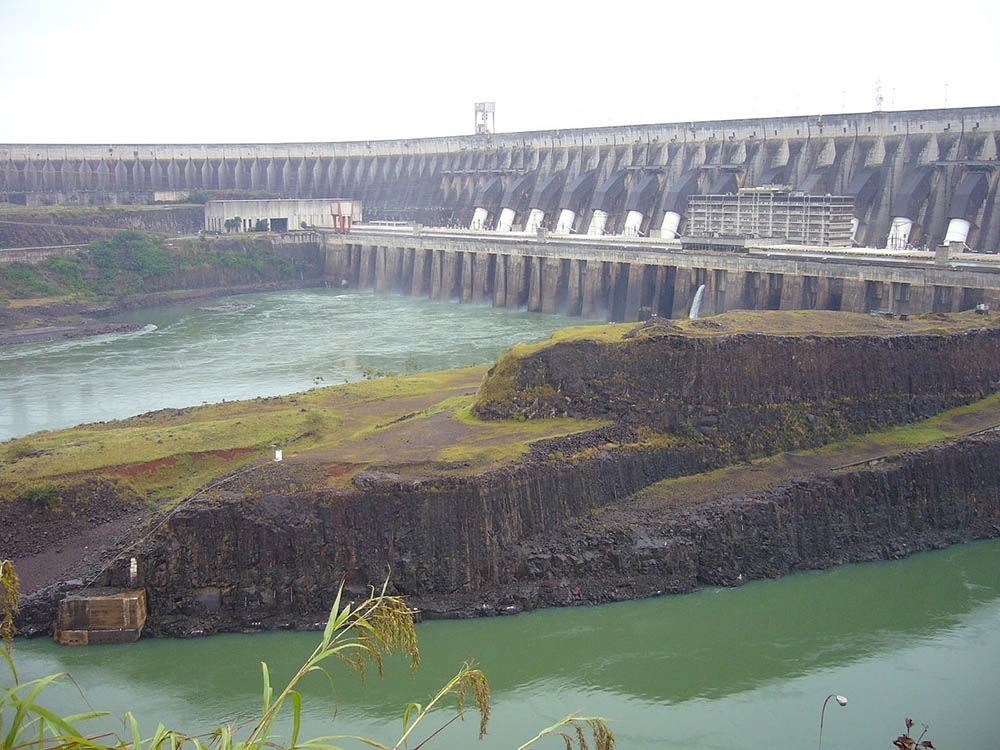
point(721, 668)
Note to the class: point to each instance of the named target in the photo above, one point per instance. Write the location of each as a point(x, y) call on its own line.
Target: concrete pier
point(101, 616)
point(627, 279)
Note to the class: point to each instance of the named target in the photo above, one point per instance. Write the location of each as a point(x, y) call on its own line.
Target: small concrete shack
point(97, 617)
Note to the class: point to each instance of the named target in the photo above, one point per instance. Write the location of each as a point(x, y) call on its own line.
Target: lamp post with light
point(841, 700)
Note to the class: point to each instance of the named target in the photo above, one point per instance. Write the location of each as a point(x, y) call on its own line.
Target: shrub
point(45, 497)
point(132, 251)
point(24, 280)
point(906, 742)
point(19, 449)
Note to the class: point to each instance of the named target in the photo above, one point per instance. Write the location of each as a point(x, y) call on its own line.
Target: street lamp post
point(841, 700)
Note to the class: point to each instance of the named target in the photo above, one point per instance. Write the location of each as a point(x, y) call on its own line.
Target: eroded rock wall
point(550, 535)
point(45, 227)
point(754, 394)
point(919, 501)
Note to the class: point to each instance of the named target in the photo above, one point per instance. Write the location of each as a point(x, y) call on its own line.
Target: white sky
point(214, 71)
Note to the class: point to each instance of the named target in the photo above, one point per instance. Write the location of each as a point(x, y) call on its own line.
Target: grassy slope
point(411, 424)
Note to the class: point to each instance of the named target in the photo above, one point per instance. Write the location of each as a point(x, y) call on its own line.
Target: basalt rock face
point(920, 501)
point(43, 227)
point(549, 535)
point(279, 559)
point(754, 394)
point(568, 525)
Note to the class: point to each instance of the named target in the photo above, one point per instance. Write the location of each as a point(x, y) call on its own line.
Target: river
point(249, 346)
point(721, 668)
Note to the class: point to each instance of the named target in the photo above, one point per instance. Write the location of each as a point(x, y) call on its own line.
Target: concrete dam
point(620, 221)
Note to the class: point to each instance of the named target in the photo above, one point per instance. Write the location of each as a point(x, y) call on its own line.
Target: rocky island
point(607, 463)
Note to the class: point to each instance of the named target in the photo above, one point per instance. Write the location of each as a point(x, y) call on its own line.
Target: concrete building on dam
point(636, 218)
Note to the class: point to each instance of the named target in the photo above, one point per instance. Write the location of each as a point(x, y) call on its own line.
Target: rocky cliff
point(595, 516)
point(912, 502)
point(752, 393)
point(551, 535)
point(67, 226)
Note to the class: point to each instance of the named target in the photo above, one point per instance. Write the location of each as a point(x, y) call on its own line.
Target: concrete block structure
point(778, 215)
point(279, 215)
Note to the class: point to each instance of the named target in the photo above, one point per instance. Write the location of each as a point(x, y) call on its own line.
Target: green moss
point(500, 387)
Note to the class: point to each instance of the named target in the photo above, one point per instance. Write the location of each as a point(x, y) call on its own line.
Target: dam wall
point(628, 279)
point(914, 178)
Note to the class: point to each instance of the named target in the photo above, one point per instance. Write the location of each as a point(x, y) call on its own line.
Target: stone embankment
point(43, 227)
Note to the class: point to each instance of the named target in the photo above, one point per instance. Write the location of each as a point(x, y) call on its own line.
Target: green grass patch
point(168, 453)
point(765, 472)
point(491, 442)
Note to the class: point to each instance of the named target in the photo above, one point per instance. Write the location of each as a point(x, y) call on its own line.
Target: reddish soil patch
point(149, 467)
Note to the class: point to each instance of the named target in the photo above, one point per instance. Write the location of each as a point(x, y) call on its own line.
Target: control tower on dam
point(901, 180)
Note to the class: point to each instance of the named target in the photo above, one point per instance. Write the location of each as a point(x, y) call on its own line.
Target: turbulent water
point(248, 346)
point(746, 667)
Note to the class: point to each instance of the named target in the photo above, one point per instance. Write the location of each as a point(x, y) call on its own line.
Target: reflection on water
point(284, 342)
point(720, 668)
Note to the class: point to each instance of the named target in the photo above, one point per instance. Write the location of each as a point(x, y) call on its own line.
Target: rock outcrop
point(582, 519)
point(753, 394)
point(550, 535)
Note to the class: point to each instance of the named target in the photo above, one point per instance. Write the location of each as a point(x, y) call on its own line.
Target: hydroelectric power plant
point(893, 212)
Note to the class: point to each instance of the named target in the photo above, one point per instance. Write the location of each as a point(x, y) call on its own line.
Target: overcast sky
point(208, 71)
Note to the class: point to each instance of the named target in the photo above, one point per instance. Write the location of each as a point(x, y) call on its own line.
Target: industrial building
point(773, 213)
point(281, 215)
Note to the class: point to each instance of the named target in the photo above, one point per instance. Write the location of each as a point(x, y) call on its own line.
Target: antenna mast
point(485, 118)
